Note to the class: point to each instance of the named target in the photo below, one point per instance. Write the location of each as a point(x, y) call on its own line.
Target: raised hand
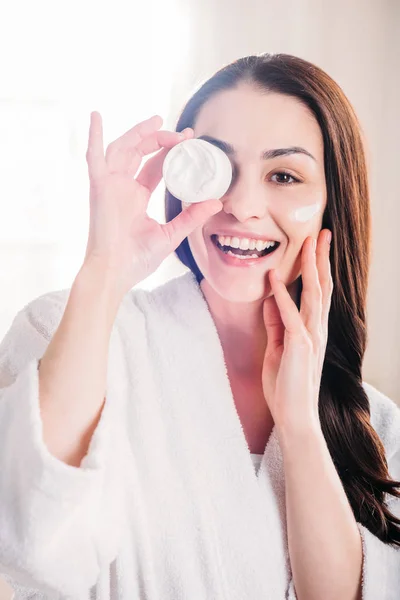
point(123, 239)
point(297, 340)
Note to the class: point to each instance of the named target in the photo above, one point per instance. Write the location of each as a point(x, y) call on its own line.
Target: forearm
point(324, 542)
point(73, 370)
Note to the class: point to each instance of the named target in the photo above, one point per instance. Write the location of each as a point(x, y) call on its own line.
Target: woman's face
point(279, 199)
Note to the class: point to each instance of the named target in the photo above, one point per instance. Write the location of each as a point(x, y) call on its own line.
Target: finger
point(311, 296)
point(127, 158)
point(95, 150)
point(138, 132)
point(158, 140)
point(155, 141)
point(162, 139)
point(273, 325)
point(188, 220)
point(121, 152)
point(151, 172)
point(188, 132)
point(325, 277)
point(169, 139)
point(288, 310)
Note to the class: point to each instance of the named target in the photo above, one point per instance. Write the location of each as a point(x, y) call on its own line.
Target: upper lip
point(244, 234)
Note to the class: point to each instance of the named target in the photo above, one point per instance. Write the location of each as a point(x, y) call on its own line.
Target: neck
point(241, 329)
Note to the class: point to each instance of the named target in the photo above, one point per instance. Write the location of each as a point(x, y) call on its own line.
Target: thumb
point(189, 219)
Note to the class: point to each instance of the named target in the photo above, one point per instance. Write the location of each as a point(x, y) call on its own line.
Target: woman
point(148, 490)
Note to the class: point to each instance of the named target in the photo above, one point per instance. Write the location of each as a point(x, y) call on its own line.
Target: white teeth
point(244, 243)
point(252, 245)
point(259, 245)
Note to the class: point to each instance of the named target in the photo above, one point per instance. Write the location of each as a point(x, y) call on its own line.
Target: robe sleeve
point(381, 561)
point(59, 524)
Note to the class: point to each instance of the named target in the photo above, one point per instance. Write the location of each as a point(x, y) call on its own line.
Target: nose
point(245, 200)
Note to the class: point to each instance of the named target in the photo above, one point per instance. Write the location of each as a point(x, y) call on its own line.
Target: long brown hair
point(344, 409)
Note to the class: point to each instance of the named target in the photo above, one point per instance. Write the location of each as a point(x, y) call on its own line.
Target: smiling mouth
point(240, 252)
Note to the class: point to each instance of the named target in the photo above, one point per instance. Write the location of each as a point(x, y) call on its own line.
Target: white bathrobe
point(167, 504)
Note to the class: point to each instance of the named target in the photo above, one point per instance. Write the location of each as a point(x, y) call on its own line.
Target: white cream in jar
point(196, 170)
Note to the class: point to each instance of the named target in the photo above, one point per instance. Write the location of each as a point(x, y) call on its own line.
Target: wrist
point(295, 435)
point(101, 284)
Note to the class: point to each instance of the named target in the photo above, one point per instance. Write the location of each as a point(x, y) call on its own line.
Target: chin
point(234, 290)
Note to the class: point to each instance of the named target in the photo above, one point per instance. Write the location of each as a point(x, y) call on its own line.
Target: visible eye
point(288, 175)
point(279, 173)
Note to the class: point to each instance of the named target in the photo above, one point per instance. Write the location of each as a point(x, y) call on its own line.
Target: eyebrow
point(265, 155)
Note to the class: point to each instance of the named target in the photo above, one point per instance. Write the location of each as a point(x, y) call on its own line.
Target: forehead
point(253, 121)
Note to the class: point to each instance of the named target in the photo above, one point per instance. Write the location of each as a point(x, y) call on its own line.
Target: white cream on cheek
point(305, 213)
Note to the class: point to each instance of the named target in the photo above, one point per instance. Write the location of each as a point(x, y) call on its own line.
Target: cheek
point(197, 244)
point(298, 222)
point(304, 214)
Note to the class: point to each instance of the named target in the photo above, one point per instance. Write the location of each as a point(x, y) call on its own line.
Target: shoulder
point(41, 315)
point(167, 299)
point(385, 418)
point(30, 332)
point(44, 312)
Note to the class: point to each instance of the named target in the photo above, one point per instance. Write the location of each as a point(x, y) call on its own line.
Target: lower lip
point(232, 261)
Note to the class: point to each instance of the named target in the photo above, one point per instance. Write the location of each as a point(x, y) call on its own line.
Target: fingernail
point(278, 275)
point(185, 131)
point(329, 237)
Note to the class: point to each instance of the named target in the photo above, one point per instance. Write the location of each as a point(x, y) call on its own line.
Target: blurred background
point(130, 59)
